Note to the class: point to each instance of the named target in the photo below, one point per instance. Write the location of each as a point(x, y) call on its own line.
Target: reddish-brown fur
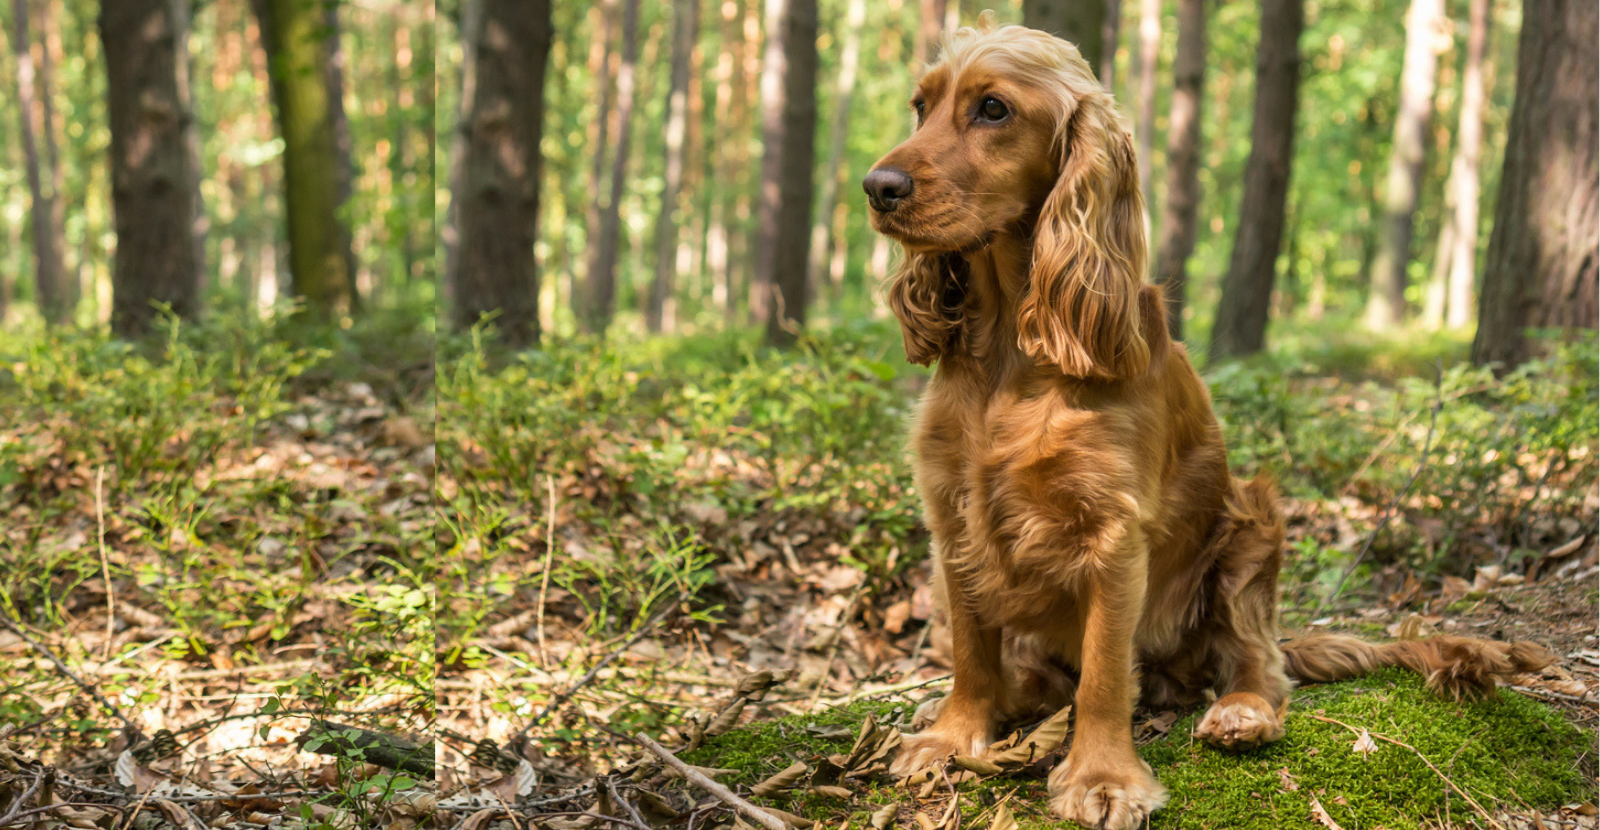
point(1088, 536)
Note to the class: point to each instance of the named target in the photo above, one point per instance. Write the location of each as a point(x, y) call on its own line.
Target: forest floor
point(235, 536)
point(660, 568)
point(212, 543)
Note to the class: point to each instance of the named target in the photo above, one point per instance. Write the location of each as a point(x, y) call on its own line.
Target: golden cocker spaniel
point(1089, 540)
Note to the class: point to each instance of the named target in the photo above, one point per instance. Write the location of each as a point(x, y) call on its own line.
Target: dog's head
point(1015, 136)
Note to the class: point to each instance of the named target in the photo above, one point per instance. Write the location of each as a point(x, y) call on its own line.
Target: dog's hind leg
point(1243, 622)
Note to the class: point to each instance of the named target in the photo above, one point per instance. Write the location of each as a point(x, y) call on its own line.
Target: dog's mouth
point(921, 235)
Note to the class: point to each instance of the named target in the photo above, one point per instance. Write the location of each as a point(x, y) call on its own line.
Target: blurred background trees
point(631, 177)
point(1346, 176)
point(298, 165)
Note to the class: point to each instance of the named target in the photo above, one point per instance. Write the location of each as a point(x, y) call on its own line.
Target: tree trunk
point(1241, 322)
point(151, 194)
point(789, 96)
point(469, 20)
point(600, 292)
point(685, 29)
point(1464, 173)
point(1182, 210)
point(497, 201)
point(333, 77)
point(834, 170)
point(299, 50)
point(1149, 59)
point(930, 23)
point(1540, 269)
point(50, 292)
point(1080, 21)
point(1109, 30)
point(1386, 301)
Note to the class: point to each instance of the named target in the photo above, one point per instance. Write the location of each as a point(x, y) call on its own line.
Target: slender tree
point(50, 289)
point(1241, 322)
point(300, 50)
point(151, 193)
point(930, 21)
point(685, 29)
point(497, 199)
point(1386, 301)
point(1464, 173)
point(1179, 218)
point(599, 296)
point(1540, 269)
point(1149, 54)
point(789, 94)
point(1082, 22)
point(834, 170)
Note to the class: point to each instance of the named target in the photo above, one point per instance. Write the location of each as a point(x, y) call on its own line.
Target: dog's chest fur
point(1031, 488)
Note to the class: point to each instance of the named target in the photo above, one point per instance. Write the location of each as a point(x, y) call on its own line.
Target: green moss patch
point(1507, 753)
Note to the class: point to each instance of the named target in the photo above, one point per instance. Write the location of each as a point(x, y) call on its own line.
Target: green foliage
point(1511, 459)
point(664, 450)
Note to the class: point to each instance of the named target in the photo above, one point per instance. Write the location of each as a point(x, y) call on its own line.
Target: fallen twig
point(16, 806)
point(744, 808)
point(107, 705)
point(562, 698)
point(1442, 777)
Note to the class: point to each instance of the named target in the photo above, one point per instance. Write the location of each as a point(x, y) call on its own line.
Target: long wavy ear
point(926, 295)
point(1082, 307)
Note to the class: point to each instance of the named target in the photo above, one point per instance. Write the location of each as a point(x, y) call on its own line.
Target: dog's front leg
point(1102, 783)
point(967, 719)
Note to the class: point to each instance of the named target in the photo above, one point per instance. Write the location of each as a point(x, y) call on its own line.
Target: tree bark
point(1182, 211)
point(151, 194)
point(789, 94)
point(299, 50)
point(50, 290)
point(600, 292)
point(1241, 321)
point(1149, 59)
point(1386, 300)
point(497, 201)
point(930, 22)
point(844, 93)
point(1080, 21)
point(1540, 269)
point(685, 28)
point(1464, 173)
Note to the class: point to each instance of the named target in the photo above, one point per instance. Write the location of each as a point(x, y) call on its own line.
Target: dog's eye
point(993, 109)
point(919, 105)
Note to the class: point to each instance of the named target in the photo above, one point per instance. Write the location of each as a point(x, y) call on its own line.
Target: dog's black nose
point(885, 188)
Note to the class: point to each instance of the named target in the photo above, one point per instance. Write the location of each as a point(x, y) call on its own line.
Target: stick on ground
point(745, 808)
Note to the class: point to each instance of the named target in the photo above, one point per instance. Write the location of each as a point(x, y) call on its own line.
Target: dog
point(1089, 541)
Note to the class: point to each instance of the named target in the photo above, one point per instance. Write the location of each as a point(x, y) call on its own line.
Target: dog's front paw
point(1105, 797)
point(1241, 720)
point(947, 736)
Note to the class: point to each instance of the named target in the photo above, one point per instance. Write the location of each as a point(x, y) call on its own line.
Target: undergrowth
point(168, 481)
point(690, 452)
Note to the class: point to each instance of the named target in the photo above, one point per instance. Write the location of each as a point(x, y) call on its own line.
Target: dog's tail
point(1460, 667)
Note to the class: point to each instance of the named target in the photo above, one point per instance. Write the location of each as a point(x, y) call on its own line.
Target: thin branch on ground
point(1442, 777)
point(16, 806)
point(107, 705)
point(561, 699)
point(743, 807)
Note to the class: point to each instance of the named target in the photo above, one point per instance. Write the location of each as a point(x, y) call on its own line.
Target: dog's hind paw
point(1242, 720)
